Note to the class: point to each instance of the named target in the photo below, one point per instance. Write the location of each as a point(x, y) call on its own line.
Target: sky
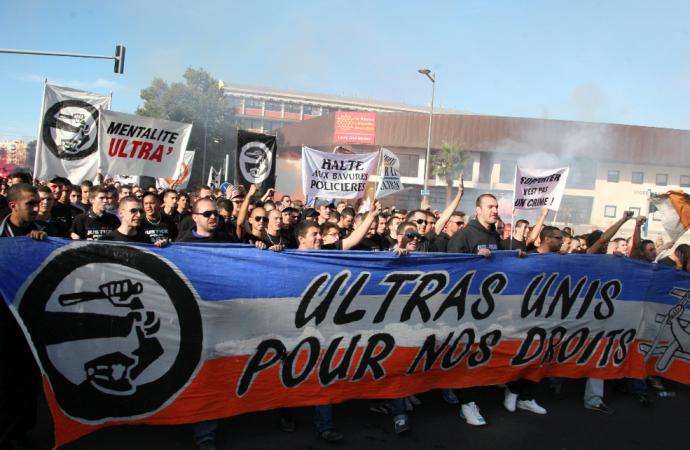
point(614, 61)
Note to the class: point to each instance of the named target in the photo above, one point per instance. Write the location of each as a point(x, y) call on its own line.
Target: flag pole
point(512, 215)
point(39, 139)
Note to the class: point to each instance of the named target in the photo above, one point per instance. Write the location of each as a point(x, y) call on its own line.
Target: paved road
point(435, 425)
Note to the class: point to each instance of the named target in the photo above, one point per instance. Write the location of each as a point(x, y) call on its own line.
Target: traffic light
point(119, 59)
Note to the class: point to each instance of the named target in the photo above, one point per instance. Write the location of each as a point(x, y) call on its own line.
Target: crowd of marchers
point(128, 213)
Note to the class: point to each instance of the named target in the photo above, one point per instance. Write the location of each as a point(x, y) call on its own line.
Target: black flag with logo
point(256, 160)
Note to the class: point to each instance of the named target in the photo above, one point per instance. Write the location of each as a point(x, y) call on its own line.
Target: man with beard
point(95, 224)
point(205, 215)
point(479, 236)
point(19, 375)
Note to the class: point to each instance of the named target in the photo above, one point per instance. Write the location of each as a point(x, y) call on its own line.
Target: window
point(635, 211)
point(610, 211)
point(253, 103)
point(661, 179)
point(409, 165)
point(637, 178)
point(274, 106)
point(685, 181)
point(312, 110)
point(507, 174)
point(293, 108)
point(613, 176)
point(583, 174)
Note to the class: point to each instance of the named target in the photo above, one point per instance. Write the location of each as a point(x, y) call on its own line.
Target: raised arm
point(242, 213)
point(609, 233)
point(634, 249)
point(534, 234)
point(358, 233)
point(452, 206)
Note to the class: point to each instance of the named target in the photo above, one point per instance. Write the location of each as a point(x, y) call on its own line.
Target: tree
point(447, 165)
point(198, 100)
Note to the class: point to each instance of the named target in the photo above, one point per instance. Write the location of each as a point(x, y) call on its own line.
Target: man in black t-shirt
point(519, 237)
point(95, 224)
point(154, 224)
point(63, 212)
point(131, 213)
point(44, 219)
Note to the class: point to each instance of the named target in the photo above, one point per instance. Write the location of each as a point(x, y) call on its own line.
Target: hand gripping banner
point(138, 334)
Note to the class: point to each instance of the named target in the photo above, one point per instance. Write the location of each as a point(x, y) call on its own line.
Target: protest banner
point(137, 145)
point(389, 174)
point(256, 160)
point(68, 133)
point(539, 188)
point(332, 175)
point(140, 334)
point(181, 177)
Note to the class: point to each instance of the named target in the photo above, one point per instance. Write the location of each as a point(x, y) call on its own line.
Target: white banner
point(539, 188)
point(331, 175)
point(181, 177)
point(214, 178)
point(389, 174)
point(68, 134)
point(127, 179)
point(137, 145)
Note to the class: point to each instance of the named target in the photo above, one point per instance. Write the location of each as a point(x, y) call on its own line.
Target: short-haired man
point(286, 201)
point(44, 220)
point(130, 213)
point(63, 213)
point(19, 375)
point(170, 197)
point(95, 224)
point(550, 240)
point(479, 236)
point(23, 202)
point(156, 226)
point(206, 220)
point(455, 224)
point(324, 209)
point(347, 217)
point(519, 236)
point(85, 187)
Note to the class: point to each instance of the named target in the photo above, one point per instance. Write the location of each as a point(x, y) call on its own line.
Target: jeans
point(594, 392)
point(205, 431)
point(323, 418)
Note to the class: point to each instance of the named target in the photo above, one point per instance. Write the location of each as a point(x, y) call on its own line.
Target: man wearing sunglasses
point(205, 216)
point(130, 213)
point(455, 224)
point(95, 224)
point(426, 225)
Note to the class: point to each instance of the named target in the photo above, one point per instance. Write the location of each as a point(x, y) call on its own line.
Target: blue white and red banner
point(139, 334)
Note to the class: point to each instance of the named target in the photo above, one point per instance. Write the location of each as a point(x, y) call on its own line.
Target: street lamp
point(430, 76)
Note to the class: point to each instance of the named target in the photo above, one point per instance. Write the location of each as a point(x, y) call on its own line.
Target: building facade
point(613, 168)
point(265, 110)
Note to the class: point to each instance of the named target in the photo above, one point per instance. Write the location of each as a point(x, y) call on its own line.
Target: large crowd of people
point(126, 213)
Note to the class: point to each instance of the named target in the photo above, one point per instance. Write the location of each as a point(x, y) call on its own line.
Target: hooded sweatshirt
point(473, 238)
